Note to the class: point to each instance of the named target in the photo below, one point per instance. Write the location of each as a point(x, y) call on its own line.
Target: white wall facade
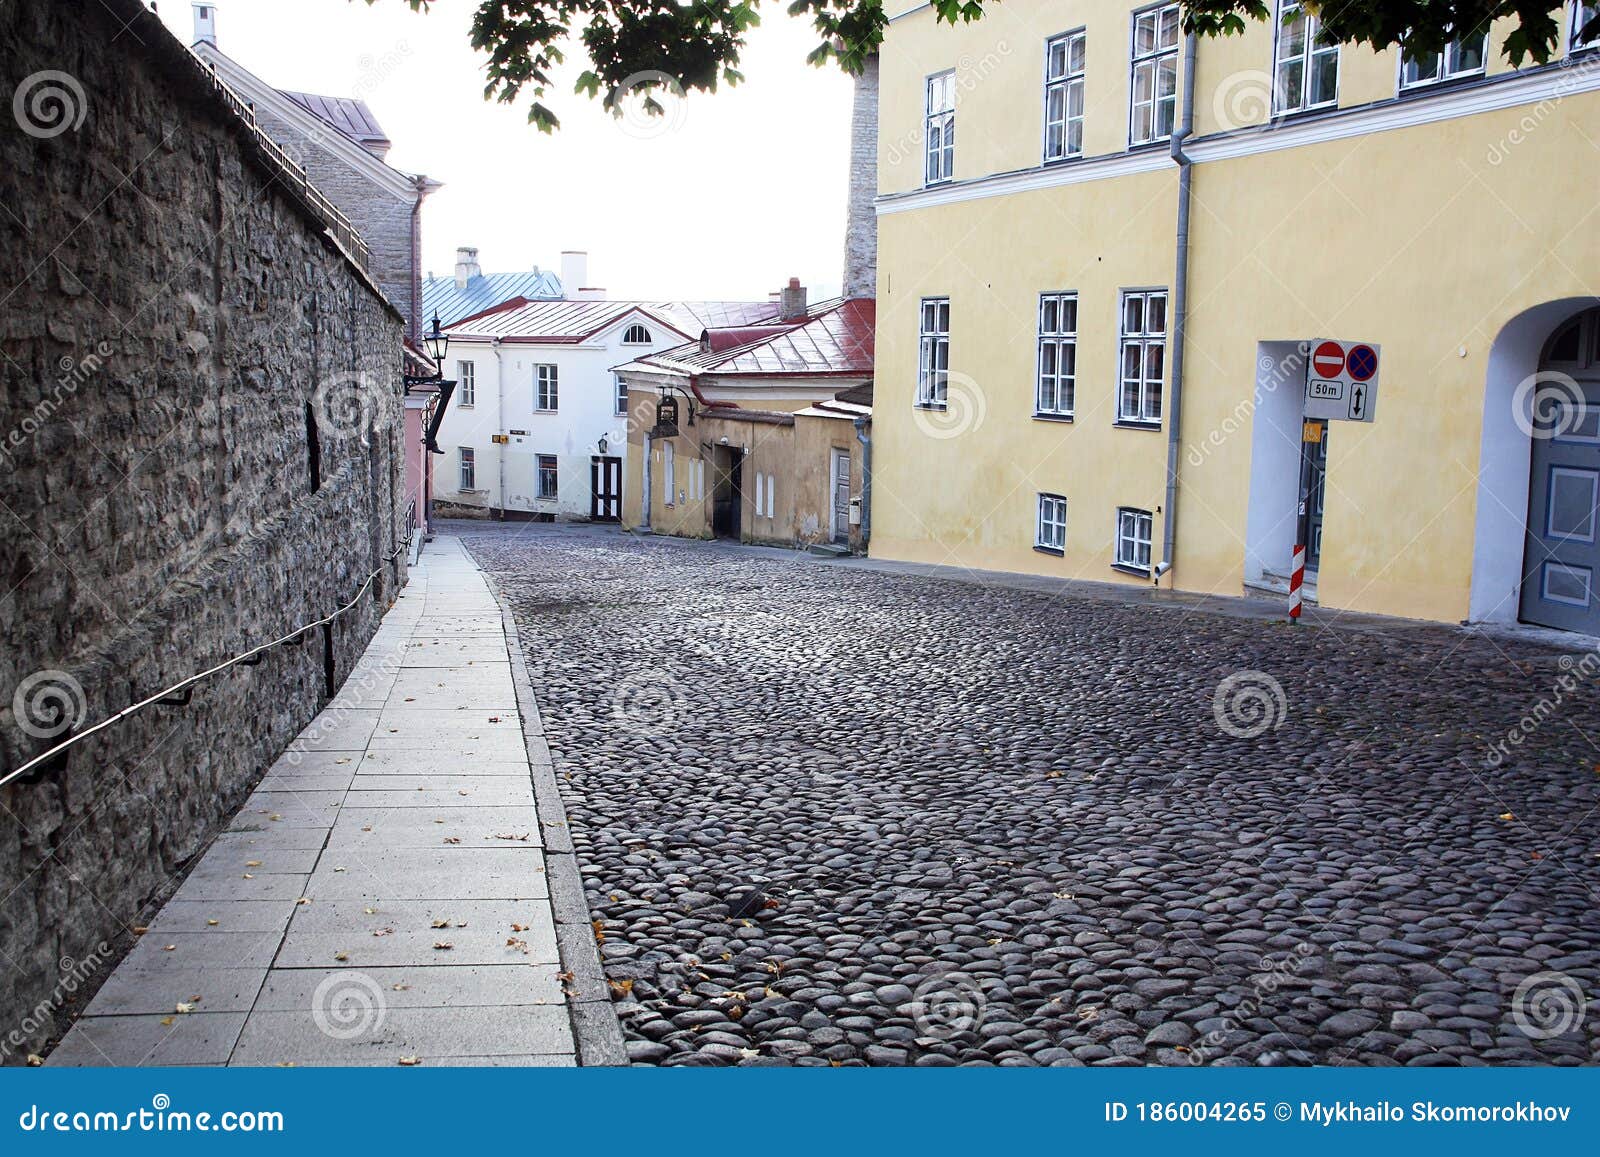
point(503, 402)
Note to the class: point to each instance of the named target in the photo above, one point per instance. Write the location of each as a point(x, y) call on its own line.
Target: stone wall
point(861, 223)
point(174, 327)
point(387, 223)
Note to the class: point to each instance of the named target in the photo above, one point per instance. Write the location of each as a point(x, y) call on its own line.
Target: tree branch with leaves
point(643, 45)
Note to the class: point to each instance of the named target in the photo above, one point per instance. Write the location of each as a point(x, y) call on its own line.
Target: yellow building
point(1062, 388)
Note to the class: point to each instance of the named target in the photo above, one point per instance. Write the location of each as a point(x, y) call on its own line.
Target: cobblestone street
point(828, 814)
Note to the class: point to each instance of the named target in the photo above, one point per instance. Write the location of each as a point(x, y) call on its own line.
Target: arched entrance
point(1560, 407)
point(1505, 457)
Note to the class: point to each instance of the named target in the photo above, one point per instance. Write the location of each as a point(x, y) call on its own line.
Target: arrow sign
point(1341, 380)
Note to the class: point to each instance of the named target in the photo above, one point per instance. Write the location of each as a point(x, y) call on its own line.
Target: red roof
point(836, 339)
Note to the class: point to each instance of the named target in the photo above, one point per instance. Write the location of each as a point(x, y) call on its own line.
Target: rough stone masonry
point(199, 452)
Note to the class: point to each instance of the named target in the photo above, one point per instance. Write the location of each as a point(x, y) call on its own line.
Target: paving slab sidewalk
point(382, 897)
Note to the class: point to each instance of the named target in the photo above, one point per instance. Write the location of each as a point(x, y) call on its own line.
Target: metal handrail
point(193, 680)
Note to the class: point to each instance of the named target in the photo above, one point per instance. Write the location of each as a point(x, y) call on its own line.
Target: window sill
point(937, 407)
point(1067, 159)
point(1284, 114)
point(464, 405)
point(1155, 143)
point(1042, 416)
point(1140, 571)
point(1055, 550)
point(1423, 87)
point(1128, 424)
point(936, 184)
point(539, 411)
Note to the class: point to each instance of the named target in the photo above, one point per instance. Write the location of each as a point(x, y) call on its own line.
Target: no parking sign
point(1342, 380)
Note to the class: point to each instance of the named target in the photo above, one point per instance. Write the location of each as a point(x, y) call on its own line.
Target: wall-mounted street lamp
point(437, 343)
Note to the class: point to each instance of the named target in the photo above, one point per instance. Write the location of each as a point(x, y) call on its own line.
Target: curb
point(595, 1027)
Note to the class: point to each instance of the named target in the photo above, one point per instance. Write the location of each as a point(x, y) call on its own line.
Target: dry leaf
point(166, 1021)
point(184, 1006)
point(443, 945)
point(370, 911)
point(140, 929)
point(1507, 816)
point(620, 987)
point(411, 1060)
point(252, 863)
point(440, 924)
point(35, 1060)
point(399, 987)
point(513, 942)
point(599, 931)
point(303, 900)
point(170, 948)
point(452, 839)
point(519, 927)
point(212, 923)
point(341, 956)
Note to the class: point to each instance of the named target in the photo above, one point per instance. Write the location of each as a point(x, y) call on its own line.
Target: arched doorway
point(1559, 407)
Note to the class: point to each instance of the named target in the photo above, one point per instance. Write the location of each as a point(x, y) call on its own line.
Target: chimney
point(205, 24)
point(861, 222)
point(792, 301)
point(467, 266)
point(574, 271)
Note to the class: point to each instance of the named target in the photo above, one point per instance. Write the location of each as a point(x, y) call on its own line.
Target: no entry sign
point(1342, 380)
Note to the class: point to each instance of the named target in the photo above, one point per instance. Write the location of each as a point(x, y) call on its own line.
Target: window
point(622, 394)
point(1582, 16)
point(1144, 352)
point(933, 353)
point(636, 335)
point(1154, 91)
point(1462, 57)
point(669, 473)
point(697, 478)
point(1058, 355)
point(1063, 96)
point(467, 382)
point(549, 482)
point(772, 488)
point(469, 467)
point(1307, 72)
point(1133, 538)
point(547, 395)
point(761, 486)
point(939, 127)
point(1052, 533)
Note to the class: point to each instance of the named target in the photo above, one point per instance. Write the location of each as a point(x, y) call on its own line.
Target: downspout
point(646, 495)
point(1180, 310)
point(865, 439)
point(500, 421)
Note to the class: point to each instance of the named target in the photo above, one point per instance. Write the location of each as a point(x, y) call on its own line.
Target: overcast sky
point(735, 193)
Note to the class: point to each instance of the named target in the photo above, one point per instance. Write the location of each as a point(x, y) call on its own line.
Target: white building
point(538, 424)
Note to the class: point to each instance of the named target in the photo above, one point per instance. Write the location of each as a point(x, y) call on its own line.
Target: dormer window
point(636, 335)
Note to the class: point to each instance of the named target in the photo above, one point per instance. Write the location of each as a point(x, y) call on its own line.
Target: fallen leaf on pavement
point(411, 1060)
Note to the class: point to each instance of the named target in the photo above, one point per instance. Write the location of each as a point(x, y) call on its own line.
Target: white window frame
point(1144, 339)
point(629, 338)
point(1307, 58)
point(554, 492)
point(1135, 538)
point(1050, 532)
point(1581, 15)
point(669, 473)
point(467, 380)
point(939, 123)
point(1068, 83)
point(1446, 66)
point(1057, 339)
point(761, 482)
point(933, 353)
point(467, 457)
point(1153, 59)
point(546, 388)
point(772, 489)
point(621, 386)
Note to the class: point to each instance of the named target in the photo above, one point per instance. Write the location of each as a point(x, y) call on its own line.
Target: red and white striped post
point(1297, 575)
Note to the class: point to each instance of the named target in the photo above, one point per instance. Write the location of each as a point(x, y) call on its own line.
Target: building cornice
point(1550, 83)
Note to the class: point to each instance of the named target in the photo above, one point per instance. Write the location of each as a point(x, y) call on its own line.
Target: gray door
point(1562, 557)
point(841, 497)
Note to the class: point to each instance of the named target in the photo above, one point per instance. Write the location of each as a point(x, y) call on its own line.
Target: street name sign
point(1342, 380)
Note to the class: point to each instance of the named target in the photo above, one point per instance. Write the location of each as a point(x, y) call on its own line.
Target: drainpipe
point(500, 421)
point(646, 497)
point(861, 424)
point(1180, 309)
